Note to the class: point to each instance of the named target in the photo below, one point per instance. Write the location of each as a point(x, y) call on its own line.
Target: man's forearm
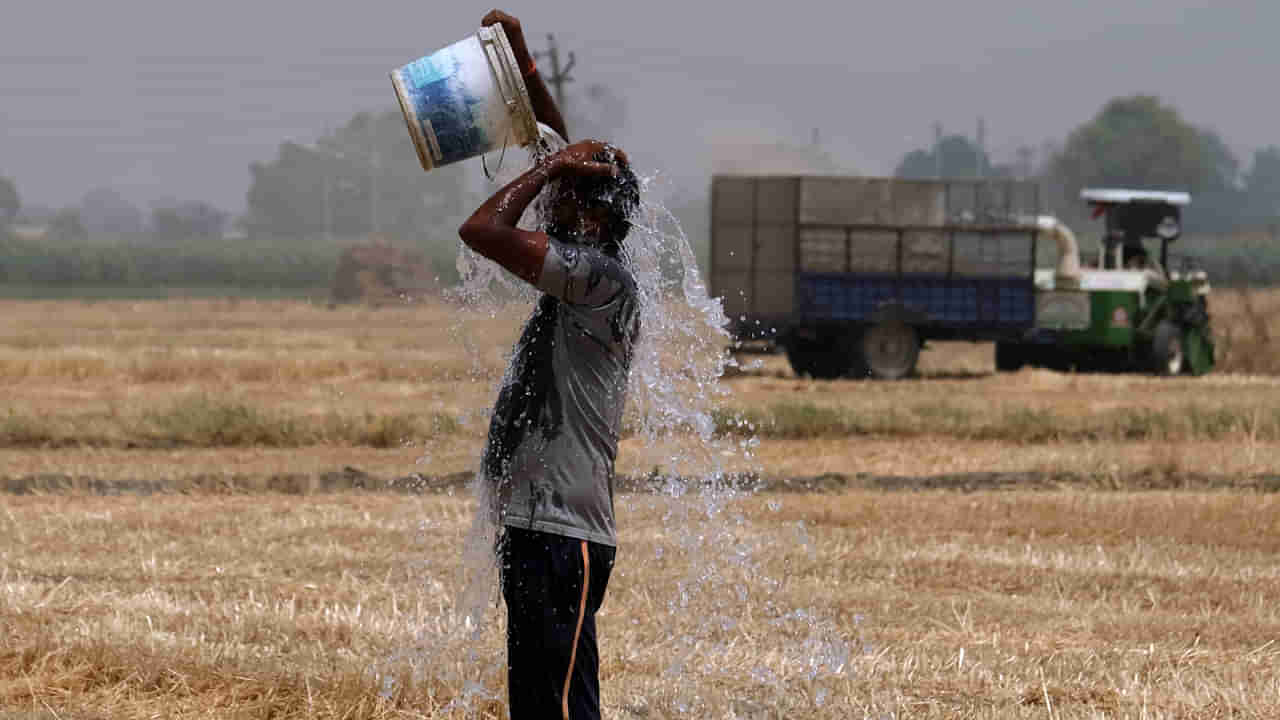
point(544, 106)
point(504, 208)
point(491, 230)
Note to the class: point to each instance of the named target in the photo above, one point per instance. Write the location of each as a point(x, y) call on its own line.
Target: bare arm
point(491, 230)
point(544, 106)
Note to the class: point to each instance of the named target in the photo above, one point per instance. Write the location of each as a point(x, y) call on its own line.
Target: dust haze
point(155, 101)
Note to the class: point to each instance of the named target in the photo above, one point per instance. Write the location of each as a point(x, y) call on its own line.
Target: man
point(1135, 257)
point(554, 432)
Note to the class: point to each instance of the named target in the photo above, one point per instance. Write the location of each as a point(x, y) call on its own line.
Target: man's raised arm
point(491, 230)
point(544, 106)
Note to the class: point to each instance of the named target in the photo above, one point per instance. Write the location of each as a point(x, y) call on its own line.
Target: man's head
point(595, 210)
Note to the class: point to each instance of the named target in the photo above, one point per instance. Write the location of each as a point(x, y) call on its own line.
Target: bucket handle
point(501, 157)
point(497, 60)
point(492, 39)
point(510, 85)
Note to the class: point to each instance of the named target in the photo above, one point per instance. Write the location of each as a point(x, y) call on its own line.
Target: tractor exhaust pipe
point(1067, 273)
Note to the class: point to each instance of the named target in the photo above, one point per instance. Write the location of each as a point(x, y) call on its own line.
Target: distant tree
point(372, 153)
point(188, 221)
point(10, 203)
point(104, 210)
point(166, 223)
point(1262, 185)
point(1139, 142)
point(1222, 167)
point(286, 196)
point(960, 158)
point(66, 226)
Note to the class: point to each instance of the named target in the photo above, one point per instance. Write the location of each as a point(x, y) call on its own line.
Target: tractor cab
point(1132, 218)
point(1168, 311)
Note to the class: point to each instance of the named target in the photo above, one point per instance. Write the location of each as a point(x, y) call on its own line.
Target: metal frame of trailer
point(800, 258)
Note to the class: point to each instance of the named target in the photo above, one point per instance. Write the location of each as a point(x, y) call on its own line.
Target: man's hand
point(580, 159)
point(515, 35)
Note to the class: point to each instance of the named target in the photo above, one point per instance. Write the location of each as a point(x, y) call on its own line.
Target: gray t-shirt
point(554, 433)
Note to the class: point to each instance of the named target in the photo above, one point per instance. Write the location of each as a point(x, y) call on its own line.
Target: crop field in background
point(1111, 552)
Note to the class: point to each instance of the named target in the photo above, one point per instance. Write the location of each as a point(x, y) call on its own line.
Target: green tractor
point(1129, 310)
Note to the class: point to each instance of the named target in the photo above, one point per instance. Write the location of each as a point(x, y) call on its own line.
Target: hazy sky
point(177, 98)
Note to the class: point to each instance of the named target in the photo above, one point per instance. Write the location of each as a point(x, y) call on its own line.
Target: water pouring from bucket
point(466, 99)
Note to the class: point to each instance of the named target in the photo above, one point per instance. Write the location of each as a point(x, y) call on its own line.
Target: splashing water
point(717, 559)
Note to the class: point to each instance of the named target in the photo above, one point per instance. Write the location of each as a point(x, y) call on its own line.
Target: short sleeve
point(583, 276)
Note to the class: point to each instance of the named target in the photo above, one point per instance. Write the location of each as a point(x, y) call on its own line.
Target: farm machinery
point(1129, 311)
point(852, 276)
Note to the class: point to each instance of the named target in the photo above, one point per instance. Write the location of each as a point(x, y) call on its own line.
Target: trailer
point(850, 276)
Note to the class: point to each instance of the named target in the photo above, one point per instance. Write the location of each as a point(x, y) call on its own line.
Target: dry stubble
point(987, 605)
point(984, 605)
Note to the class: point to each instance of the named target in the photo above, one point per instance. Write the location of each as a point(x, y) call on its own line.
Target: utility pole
point(982, 145)
point(559, 76)
point(326, 171)
point(373, 173)
point(1025, 155)
point(328, 213)
point(937, 150)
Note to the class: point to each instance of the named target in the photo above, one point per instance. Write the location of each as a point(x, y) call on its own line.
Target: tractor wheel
point(1168, 353)
point(817, 359)
point(1010, 357)
point(889, 351)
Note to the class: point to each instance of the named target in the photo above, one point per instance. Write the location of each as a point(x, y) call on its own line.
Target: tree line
point(363, 179)
point(243, 266)
point(304, 206)
point(1134, 142)
point(1140, 142)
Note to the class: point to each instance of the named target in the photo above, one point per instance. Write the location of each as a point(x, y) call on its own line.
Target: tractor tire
point(1199, 349)
point(1011, 357)
point(889, 351)
point(1198, 339)
point(1168, 349)
point(817, 359)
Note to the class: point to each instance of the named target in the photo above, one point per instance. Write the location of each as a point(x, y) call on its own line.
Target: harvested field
point(962, 544)
point(81, 379)
point(930, 605)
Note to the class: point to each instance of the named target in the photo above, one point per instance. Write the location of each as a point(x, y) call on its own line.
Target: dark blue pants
point(553, 586)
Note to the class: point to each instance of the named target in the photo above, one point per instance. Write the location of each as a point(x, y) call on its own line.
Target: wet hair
point(618, 194)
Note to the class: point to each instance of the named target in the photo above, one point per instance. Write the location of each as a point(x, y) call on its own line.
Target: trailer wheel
point(889, 350)
point(1010, 357)
point(817, 359)
point(1168, 349)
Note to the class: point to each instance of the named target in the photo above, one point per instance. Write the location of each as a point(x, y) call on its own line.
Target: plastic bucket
point(465, 100)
